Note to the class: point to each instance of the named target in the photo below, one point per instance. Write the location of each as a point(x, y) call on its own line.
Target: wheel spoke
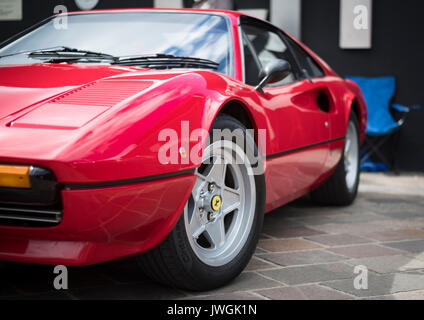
point(347, 165)
point(201, 179)
point(348, 144)
point(196, 226)
point(217, 172)
point(230, 200)
point(216, 233)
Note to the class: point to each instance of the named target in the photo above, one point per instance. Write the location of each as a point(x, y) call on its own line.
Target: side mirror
point(274, 71)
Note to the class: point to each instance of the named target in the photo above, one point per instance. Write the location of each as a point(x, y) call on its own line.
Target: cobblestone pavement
point(305, 252)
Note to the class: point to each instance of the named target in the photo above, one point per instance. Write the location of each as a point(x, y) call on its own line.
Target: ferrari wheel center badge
point(216, 203)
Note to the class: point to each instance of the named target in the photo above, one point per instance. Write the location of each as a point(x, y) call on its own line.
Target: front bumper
point(102, 224)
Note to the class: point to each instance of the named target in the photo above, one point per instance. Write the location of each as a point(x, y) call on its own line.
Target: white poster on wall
point(10, 10)
point(86, 4)
point(287, 15)
point(168, 4)
point(355, 24)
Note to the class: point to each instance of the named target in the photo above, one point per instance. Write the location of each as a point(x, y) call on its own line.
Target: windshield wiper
point(69, 54)
point(156, 61)
point(166, 61)
point(59, 50)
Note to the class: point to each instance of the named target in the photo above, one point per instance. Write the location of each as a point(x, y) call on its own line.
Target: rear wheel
point(218, 231)
point(342, 187)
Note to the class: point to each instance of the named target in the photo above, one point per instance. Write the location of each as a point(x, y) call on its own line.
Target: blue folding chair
point(378, 93)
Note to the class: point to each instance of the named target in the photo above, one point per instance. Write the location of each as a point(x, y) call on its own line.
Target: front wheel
point(218, 231)
point(342, 187)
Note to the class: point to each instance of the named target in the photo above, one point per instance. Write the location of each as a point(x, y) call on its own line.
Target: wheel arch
point(355, 101)
point(361, 115)
point(238, 110)
point(355, 108)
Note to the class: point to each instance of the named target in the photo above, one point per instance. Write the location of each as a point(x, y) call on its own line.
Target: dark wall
point(397, 49)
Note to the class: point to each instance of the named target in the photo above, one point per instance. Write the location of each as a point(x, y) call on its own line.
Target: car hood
point(94, 123)
point(22, 86)
point(70, 117)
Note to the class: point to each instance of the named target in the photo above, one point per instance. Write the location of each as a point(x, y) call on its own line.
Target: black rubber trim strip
point(280, 154)
point(117, 183)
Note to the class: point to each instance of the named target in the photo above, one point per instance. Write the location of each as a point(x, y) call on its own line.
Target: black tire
point(174, 263)
point(335, 190)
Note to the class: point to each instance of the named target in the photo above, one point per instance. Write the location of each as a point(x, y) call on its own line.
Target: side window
point(251, 65)
point(305, 60)
point(269, 46)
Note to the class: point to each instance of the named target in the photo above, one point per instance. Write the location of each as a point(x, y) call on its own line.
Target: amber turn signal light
point(15, 177)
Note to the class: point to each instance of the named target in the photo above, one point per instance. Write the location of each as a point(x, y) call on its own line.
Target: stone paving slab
point(260, 251)
point(350, 228)
point(241, 296)
point(411, 295)
point(396, 224)
point(306, 292)
point(393, 235)
point(381, 285)
point(364, 251)
point(415, 246)
point(276, 231)
point(302, 257)
point(419, 256)
point(287, 245)
point(259, 264)
point(247, 281)
point(310, 274)
point(336, 240)
point(389, 264)
point(343, 217)
point(306, 251)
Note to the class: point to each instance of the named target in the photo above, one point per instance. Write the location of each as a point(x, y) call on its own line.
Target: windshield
point(131, 34)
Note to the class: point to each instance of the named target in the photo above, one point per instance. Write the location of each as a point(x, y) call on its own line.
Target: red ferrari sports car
point(106, 145)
